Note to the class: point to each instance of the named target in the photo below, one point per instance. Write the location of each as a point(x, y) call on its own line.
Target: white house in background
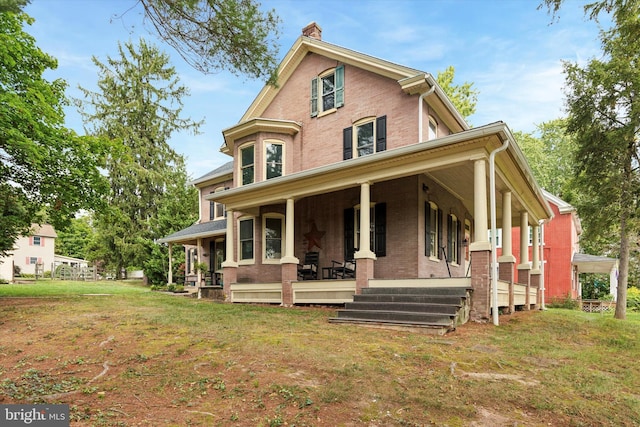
point(36, 248)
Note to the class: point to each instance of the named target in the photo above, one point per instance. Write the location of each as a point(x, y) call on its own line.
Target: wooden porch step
point(411, 307)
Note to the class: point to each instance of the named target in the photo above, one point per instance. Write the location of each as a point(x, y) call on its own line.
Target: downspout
point(420, 102)
point(542, 283)
point(494, 254)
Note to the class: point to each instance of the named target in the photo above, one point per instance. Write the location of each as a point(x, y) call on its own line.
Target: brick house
point(342, 131)
point(561, 259)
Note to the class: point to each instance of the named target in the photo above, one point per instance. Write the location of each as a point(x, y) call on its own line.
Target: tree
point(46, 171)
point(551, 157)
point(604, 118)
point(74, 240)
point(214, 35)
point(464, 97)
point(139, 108)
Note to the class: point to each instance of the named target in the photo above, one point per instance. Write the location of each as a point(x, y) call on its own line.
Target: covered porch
point(464, 172)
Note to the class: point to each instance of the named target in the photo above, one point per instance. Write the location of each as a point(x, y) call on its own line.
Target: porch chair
point(309, 269)
point(343, 270)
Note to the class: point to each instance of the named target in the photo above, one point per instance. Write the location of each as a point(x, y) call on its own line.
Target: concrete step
point(449, 291)
point(436, 319)
point(410, 298)
point(412, 307)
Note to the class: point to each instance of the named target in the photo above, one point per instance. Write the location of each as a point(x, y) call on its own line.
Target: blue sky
point(507, 48)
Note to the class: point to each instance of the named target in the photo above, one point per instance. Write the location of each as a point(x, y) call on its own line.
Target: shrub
point(633, 298)
point(565, 302)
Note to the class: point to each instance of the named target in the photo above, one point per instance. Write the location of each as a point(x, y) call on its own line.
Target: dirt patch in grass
point(156, 360)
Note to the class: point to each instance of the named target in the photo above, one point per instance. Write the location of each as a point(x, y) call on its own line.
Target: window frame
point(37, 241)
point(216, 206)
point(266, 160)
point(281, 218)
point(317, 95)
point(433, 230)
point(453, 239)
point(245, 261)
point(242, 166)
point(357, 125)
point(432, 128)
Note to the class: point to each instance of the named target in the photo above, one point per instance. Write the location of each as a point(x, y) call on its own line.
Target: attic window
point(327, 91)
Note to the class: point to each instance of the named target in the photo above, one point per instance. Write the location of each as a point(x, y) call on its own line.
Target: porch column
point(524, 268)
point(170, 275)
point(480, 248)
point(364, 256)
point(507, 262)
point(229, 266)
point(288, 263)
point(199, 261)
point(535, 264)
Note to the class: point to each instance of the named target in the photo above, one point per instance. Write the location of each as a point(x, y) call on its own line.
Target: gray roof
point(195, 231)
point(594, 264)
point(225, 169)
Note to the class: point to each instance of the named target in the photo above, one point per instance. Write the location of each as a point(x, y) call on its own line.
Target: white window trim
point(33, 240)
point(434, 122)
point(326, 73)
point(354, 142)
point(216, 204)
point(281, 217)
point(240, 175)
point(455, 230)
point(434, 207)
point(264, 156)
point(498, 234)
point(239, 243)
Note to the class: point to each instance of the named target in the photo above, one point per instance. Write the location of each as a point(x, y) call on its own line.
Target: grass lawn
point(121, 355)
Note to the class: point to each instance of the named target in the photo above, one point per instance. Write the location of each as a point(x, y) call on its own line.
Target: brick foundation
point(481, 284)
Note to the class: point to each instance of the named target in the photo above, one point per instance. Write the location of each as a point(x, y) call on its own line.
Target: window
point(327, 91)
point(192, 259)
point(273, 237)
point(247, 164)
point(33, 260)
point(246, 239)
point(530, 232)
point(366, 136)
point(217, 210)
point(217, 252)
point(273, 156)
point(378, 230)
point(453, 239)
point(433, 128)
point(498, 237)
point(37, 241)
point(433, 230)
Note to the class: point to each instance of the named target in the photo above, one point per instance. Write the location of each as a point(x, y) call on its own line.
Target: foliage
point(46, 171)
point(73, 241)
point(464, 97)
point(215, 35)
point(139, 108)
point(566, 302)
point(595, 286)
point(14, 6)
point(633, 298)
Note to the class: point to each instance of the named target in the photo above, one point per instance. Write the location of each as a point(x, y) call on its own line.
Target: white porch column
point(170, 275)
point(199, 261)
point(365, 223)
point(481, 227)
point(229, 262)
point(524, 240)
point(289, 257)
point(507, 229)
point(613, 282)
point(535, 251)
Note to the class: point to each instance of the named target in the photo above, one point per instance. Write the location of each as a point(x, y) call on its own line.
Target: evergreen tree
point(138, 108)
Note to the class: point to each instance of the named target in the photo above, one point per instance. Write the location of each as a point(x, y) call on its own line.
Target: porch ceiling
point(594, 264)
point(448, 160)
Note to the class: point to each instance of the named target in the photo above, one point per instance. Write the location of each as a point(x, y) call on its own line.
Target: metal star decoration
point(313, 237)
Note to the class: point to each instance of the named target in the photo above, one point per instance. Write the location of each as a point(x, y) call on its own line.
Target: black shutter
point(427, 228)
point(440, 245)
point(349, 231)
point(347, 143)
point(449, 238)
point(460, 237)
point(381, 229)
point(381, 134)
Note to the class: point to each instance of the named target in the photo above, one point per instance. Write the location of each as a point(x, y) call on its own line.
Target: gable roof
point(44, 230)
point(411, 81)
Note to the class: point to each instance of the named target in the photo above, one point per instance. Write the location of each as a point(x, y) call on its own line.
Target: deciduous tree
point(464, 97)
point(46, 170)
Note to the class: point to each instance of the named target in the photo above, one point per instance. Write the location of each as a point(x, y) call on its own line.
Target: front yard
point(121, 355)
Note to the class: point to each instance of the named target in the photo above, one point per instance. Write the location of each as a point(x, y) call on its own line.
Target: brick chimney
point(312, 30)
